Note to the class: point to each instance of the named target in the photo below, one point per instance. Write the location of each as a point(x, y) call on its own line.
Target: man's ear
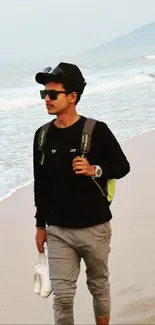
point(73, 97)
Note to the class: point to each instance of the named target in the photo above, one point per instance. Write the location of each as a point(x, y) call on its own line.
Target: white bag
point(42, 283)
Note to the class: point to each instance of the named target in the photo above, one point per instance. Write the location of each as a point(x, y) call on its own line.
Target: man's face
point(63, 101)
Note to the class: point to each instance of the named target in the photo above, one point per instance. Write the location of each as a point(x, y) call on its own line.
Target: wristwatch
point(98, 171)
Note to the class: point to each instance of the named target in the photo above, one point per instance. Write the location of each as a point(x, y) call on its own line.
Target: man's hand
point(81, 166)
point(40, 239)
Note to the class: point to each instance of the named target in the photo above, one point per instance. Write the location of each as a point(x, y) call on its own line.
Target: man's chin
point(51, 111)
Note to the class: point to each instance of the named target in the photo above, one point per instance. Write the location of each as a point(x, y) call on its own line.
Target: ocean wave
point(14, 190)
point(150, 74)
point(149, 57)
point(118, 83)
point(15, 103)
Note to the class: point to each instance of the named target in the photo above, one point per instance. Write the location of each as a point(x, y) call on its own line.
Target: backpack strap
point(85, 147)
point(41, 140)
point(86, 136)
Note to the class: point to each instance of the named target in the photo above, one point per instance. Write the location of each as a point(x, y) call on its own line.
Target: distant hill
point(143, 36)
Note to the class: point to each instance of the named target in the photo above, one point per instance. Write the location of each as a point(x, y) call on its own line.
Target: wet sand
point(132, 258)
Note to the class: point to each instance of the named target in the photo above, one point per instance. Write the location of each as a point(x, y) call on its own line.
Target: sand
point(132, 258)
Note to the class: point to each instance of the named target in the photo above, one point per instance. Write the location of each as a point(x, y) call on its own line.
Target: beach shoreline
point(132, 258)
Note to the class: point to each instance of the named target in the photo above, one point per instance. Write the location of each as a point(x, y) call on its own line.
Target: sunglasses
point(56, 72)
point(53, 94)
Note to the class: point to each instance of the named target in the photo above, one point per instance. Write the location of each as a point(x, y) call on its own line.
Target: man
point(72, 211)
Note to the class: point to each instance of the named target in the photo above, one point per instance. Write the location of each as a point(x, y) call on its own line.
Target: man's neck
point(66, 121)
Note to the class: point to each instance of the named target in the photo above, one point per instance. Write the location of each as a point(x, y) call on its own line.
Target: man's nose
point(47, 99)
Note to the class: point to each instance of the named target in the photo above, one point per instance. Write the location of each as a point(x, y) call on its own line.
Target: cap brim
point(44, 78)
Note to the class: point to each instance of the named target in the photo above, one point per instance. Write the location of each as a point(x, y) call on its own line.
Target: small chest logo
point(73, 150)
point(53, 151)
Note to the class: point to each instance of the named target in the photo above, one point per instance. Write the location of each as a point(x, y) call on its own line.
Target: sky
point(36, 28)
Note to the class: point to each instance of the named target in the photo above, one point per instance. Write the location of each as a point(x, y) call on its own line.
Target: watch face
point(98, 172)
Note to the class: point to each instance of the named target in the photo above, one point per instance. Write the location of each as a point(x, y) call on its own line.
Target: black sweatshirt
point(63, 198)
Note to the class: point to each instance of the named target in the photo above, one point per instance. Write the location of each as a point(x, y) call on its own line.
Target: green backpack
point(85, 147)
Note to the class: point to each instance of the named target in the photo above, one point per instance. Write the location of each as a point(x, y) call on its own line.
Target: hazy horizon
point(42, 29)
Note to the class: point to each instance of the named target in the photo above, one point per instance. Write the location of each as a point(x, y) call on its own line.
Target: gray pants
point(66, 247)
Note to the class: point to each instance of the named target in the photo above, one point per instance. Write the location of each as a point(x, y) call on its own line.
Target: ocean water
point(120, 91)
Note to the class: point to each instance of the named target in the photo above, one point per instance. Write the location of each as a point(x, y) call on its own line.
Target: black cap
point(64, 72)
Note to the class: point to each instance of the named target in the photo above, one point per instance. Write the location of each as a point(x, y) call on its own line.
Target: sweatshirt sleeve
point(39, 196)
point(114, 162)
